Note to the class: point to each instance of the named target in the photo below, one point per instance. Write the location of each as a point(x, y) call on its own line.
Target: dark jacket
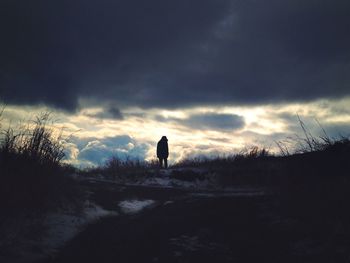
point(162, 148)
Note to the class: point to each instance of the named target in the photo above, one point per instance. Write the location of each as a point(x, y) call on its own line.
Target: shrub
point(31, 171)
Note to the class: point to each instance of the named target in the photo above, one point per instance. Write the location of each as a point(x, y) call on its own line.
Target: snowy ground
point(205, 185)
point(134, 206)
point(201, 179)
point(58, 228)
point(167, 217)
point(53, 231)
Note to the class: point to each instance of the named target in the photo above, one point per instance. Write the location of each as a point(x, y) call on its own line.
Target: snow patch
point(62, 227)
point(95, 212)
point(134, 206)
point(230, 194)
point(166, 182)
point(165, 179)
point(54, 230)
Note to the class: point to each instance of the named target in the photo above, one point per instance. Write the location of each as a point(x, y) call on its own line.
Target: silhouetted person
point(163, 152)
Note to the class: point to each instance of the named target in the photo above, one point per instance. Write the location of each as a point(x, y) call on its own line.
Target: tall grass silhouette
point(31, 169)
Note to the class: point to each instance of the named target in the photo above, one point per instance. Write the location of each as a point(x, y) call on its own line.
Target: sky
point(214, 76)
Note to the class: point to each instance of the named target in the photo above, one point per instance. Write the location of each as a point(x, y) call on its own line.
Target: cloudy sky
point(214, 76)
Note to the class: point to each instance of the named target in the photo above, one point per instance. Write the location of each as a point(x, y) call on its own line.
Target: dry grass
point(31, 171)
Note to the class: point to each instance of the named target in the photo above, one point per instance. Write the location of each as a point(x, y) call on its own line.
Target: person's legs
point(160, 162)
point(165, 162)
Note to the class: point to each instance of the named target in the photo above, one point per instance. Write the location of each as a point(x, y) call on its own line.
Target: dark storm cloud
point(109, 113)
point(211, 121)
point(207, 121)
point(166, 53)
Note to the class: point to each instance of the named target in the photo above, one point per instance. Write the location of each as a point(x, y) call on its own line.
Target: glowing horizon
point(192, 131)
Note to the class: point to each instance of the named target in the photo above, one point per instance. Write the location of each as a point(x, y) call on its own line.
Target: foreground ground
point(183, 225)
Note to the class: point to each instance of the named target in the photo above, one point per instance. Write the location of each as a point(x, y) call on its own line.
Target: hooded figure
point(163, 152)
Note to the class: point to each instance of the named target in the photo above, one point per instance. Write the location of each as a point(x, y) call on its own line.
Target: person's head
point(164, 138)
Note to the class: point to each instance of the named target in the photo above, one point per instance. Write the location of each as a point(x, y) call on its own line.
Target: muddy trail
point(188, 226)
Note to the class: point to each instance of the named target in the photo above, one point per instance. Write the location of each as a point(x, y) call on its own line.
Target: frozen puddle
point(134, 206)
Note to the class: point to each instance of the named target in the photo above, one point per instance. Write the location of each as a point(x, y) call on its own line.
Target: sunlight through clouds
point(97, 134)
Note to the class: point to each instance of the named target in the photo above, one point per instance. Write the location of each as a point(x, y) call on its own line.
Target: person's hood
point(164, 138)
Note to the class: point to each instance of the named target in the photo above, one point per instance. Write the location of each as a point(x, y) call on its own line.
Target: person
point(163, 152)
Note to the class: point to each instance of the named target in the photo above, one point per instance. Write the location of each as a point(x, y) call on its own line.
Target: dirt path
point(192, 227)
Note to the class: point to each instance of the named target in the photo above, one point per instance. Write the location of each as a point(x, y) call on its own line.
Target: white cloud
point(94, 141)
